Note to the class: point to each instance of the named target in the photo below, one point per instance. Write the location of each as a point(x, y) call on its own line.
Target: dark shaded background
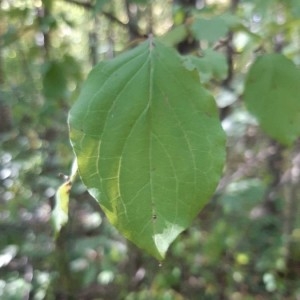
point(244, 245)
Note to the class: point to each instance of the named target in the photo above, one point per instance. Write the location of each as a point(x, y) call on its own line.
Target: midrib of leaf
point(151, 87)
point(87, 93)
point(114, 103)
point(104, 86)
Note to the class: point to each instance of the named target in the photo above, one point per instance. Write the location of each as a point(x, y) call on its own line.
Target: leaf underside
point(272, 95)
point(148, 143)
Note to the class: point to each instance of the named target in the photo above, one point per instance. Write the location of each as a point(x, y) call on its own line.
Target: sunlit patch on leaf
point(60, 212)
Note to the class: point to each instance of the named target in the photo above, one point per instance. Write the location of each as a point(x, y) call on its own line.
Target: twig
point(109, 16)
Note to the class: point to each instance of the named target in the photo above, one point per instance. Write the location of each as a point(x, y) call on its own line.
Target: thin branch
point(86, 5)
point(230, 51)
point(132, 19)
point(109, 16)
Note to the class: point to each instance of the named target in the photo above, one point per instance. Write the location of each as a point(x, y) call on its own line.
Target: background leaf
point(212, 65)
point(144, 131)
point(54, 80)
point(210, 30)
point(100, 4)
point(272, 94)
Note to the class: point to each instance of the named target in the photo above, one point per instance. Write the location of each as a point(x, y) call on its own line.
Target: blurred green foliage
point(244, 245)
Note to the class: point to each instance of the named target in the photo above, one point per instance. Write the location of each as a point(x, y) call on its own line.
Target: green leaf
point(54, 80)
point(272, 94)
point(100, 4)
point(175, 35)
point(210, 30)
point(212, 65)
point(294, 7)
point(71, 68)
point(8, 37)
point(264, 7)
point(149, 144)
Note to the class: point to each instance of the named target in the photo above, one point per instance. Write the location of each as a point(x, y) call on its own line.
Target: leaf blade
point(272, 95)
point(139, 157)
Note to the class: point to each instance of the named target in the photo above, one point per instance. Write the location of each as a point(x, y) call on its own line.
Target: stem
point(111, 17)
